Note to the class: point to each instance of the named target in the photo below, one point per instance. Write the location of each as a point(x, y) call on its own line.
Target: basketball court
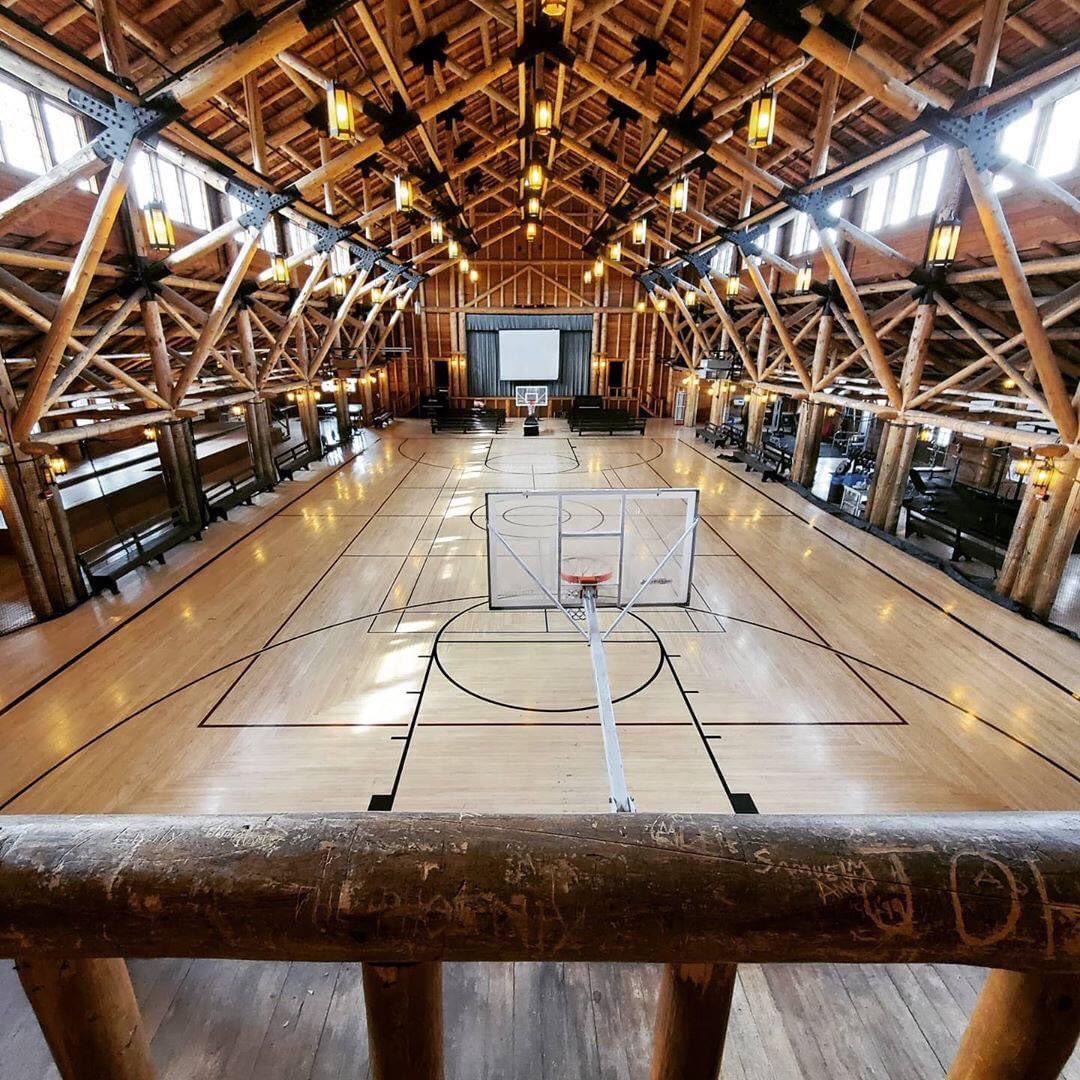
point(374, 645)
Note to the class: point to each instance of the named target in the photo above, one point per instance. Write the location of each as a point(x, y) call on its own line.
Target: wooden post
point(755, 417)
point(47, 530)
point(341, 408)
point(405, 1020)
point(23, 550)
point(309, 422)
point(188, 475)
point(1024, 1027)
point(259, 445)
point(897, 450)
point(691, 1021)
point(1042, 539)
point(89, 1017)
point(804, 459)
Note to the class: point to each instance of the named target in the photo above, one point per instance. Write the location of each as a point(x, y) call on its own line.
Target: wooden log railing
point(404, 892)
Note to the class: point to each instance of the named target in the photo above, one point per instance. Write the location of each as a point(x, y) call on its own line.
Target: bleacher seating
point(105, 563)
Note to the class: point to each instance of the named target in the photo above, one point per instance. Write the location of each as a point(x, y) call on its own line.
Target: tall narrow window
point(1059, 151)
point(21, 143)
point(877, 202)
point(902, 206)
point(933, 176)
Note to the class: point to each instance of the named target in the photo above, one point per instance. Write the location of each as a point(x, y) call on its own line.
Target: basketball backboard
point(530, 395)
point(638, 543)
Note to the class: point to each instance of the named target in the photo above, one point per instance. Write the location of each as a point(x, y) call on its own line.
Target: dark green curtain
point(482, 348)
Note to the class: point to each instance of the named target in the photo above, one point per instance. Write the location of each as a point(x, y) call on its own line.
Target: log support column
point(309, 421)
point(1042, 539)
point(260, 444)
point(693, 388)
point(89, 1017)
point(691, 1021)
point(42, 537)
point(804, 459)
point(896, 451)
point(341, 409)
point(180, 465)
point(756, 404)
point(1024, 1028)
point(367, 398)
point(405, 1020)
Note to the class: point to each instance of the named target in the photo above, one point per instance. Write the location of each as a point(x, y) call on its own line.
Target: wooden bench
point(292, 460)
point(467, 422)
point(965, 543)
point(105, 563)
point(607, 422)
point(382, 419)
point(224, 495)
point(772, 459)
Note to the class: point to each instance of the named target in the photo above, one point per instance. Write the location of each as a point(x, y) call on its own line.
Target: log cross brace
point(123, 123)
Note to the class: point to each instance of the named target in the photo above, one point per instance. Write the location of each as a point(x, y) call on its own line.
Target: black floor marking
point(531, 708)
point(44, 680)
point(892, 577)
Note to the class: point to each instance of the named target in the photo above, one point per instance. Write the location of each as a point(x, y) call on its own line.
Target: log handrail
point(700, 893)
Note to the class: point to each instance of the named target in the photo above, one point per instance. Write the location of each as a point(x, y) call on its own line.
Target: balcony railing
point(404, 892)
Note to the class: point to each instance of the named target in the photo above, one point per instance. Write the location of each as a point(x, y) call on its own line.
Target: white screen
point(529, 355)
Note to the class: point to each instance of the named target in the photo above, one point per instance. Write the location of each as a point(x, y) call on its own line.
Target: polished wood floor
point(335, 648)
point(331, 648)
point(217, 1020)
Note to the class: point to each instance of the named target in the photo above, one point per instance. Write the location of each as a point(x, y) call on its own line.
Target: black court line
point(176, 585)
point(307, 595)
point(792, 608)
point(892, 577)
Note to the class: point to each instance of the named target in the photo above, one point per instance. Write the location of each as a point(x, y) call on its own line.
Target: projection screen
point(529, 355)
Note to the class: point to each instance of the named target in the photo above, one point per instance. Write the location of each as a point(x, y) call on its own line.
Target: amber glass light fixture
point(614, 251)
point(474, 275)
point(534, 175)
point(436, 231)
point(944, 238)
point(337, 286)
point(159, 227)
point(661, 304)
point(639, 307)
point(680, 194)
point(531, 229)
point(762, 124)
point(279, 269)
point(587, 277)
point(1041, 475)
point(453, 248)
point(464, 264)
point(543, 116)
point(732, 285)
point(532, 206)
point(376, 294)
point(340, 112)
point(404, 195)
point(598, 268)
point(640, 230)
point(401, 303)
point(554, 9)
point(804, 277)
point(150, 434)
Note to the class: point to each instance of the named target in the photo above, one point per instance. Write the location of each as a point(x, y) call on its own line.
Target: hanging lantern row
point(533, 207)
point(531, 231)
point(534, 175)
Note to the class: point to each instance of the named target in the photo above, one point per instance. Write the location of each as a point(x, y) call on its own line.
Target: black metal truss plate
point(123, 123)
point(328, 237)
point(263, 203)
point(979, 134)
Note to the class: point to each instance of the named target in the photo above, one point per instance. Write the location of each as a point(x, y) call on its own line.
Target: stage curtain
point(482, 350)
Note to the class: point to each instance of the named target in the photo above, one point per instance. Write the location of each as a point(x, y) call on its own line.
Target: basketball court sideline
point(357, 662)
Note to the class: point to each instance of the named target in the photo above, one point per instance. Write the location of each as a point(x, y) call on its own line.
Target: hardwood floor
point(212, 1019)
point(334, 645)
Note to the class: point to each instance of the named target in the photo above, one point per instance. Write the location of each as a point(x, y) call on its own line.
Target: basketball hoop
point(585, 572)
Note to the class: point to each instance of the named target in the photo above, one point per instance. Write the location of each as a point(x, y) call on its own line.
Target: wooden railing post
point(1024, 1027)
point(691, 1021)
point(89, 1017)
point(405, 1020)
